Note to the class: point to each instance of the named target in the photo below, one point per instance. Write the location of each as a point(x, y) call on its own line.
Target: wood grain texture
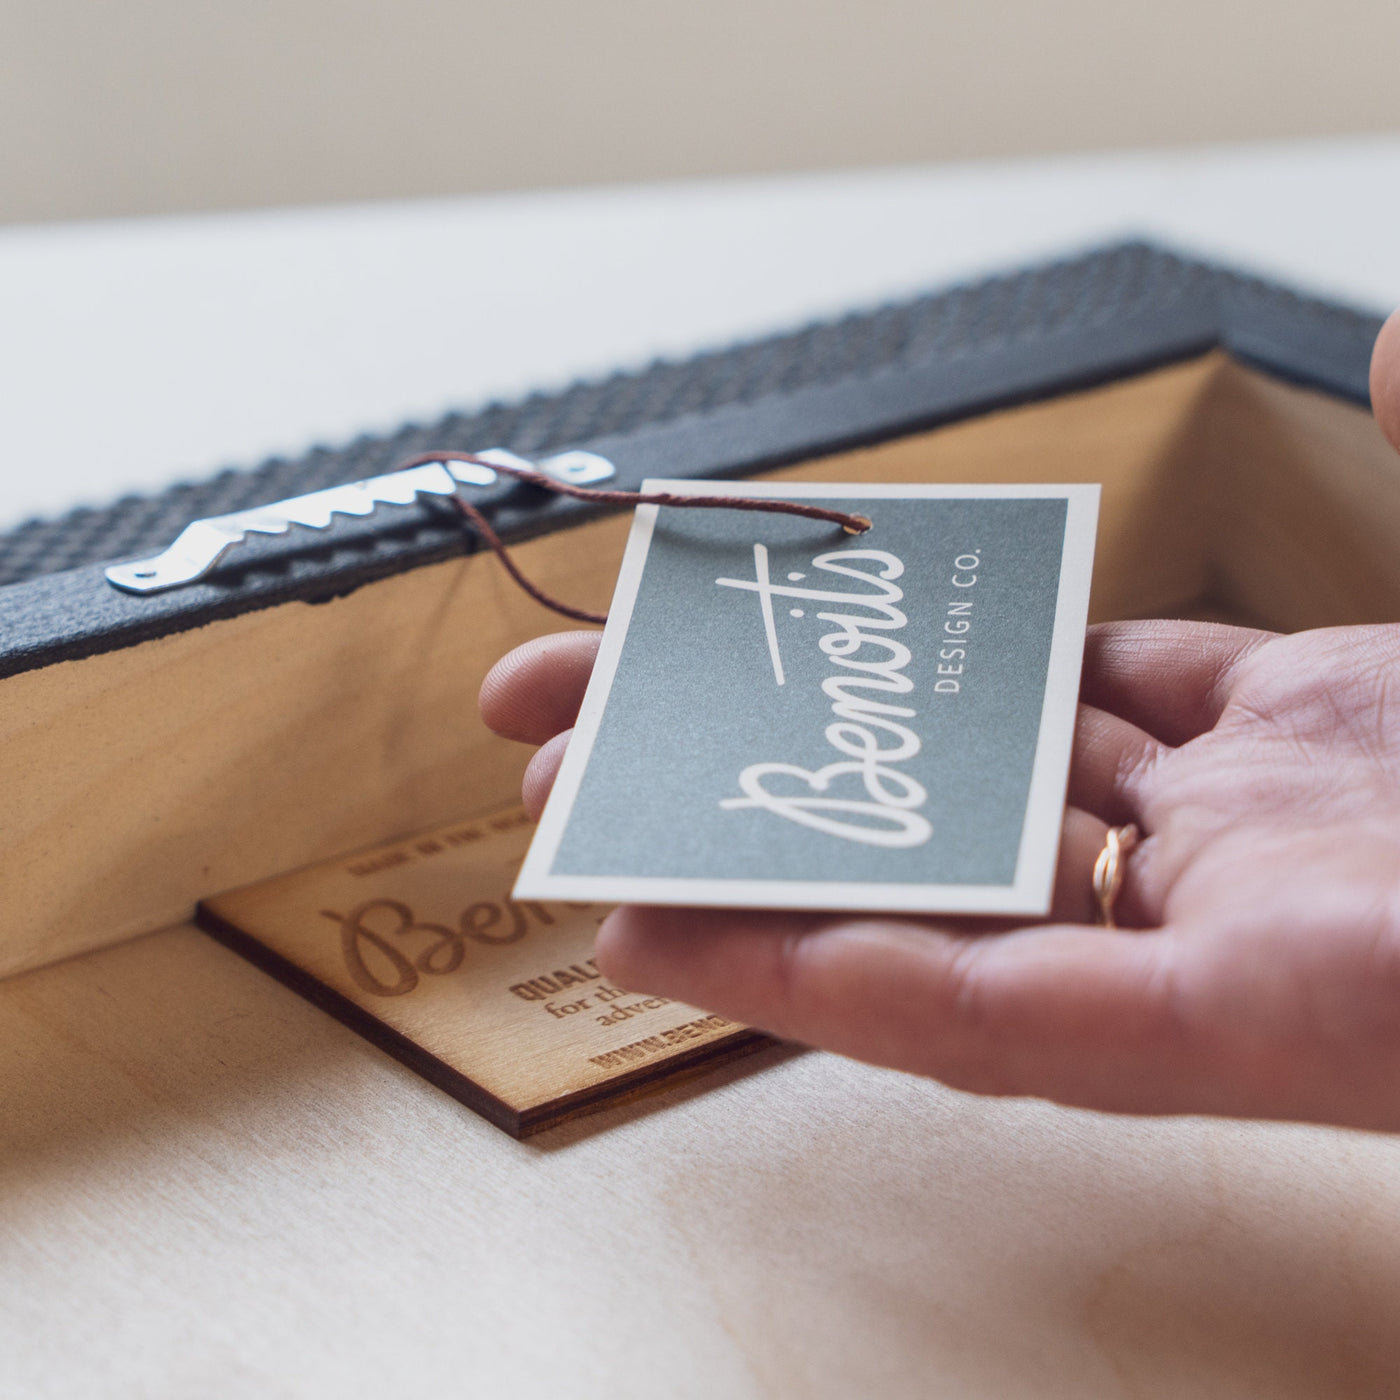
point(138, 781)
point(1303, 504)
point(417, 946)
point(209, 1188)
point(212, 1189)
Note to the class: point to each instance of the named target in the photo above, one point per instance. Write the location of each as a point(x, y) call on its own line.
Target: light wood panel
point(418, 946)
point(211, 1189)
point(139, 781)
point(1302, 505)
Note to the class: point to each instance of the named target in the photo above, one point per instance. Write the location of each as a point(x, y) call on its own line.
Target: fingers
point(1082, 837)
point(1385, 379)
point(1080, 1015)
point(539, 777)
point(1081, 840)
point(1113, 764)
point(535, 691)
point(1171, 679)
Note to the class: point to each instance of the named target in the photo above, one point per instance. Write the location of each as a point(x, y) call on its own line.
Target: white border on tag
point(1031, 890)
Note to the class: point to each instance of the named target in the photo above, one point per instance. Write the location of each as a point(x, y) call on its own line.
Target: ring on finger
point(1110, 868)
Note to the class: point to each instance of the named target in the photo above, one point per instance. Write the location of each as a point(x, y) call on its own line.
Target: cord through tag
point(851, 524)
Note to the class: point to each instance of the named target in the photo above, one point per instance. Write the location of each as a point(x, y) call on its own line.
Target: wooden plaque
point(418, 947)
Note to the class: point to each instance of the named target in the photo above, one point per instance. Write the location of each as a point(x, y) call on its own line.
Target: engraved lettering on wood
point(418, 946)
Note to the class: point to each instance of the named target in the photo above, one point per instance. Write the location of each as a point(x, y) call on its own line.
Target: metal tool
point(203, 543)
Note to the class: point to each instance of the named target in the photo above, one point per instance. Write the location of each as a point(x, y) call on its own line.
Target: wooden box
point(235, 1195)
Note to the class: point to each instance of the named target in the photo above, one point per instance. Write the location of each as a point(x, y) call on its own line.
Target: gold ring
point(1110, 868)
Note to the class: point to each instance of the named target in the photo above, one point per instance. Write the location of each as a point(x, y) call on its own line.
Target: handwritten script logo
point(368, 935)
point(858, 643)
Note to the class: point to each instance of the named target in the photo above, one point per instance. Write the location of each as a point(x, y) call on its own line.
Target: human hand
point(1258, 974)
point(1259, 970)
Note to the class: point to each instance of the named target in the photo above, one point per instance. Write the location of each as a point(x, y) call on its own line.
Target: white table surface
point(134, 354)
point(208, 1188)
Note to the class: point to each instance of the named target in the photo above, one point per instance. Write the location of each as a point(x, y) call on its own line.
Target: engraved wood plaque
point(418, 947)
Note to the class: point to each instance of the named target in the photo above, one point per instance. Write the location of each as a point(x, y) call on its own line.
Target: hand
point(1259, 971)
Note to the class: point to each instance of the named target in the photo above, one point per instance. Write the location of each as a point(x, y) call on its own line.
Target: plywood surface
point(210, 1189)
point(207, 1187)
point(418, 946)
point(1301, 497)
point(139, 781)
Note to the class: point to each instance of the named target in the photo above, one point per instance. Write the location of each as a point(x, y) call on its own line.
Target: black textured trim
point(865, 378)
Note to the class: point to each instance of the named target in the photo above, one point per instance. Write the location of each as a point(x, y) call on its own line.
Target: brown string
point(537, 593)
point(851, 524)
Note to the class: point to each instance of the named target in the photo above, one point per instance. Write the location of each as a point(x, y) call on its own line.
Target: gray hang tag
point(783, 716)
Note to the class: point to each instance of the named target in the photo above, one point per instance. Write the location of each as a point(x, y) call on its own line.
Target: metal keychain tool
point(203, 543)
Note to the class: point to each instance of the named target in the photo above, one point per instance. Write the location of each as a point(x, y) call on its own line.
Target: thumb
point(1385, 379)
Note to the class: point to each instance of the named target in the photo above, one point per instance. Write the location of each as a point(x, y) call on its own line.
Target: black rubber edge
point(76, 614)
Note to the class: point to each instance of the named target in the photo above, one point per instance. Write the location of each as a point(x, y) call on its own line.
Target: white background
point(134, 354)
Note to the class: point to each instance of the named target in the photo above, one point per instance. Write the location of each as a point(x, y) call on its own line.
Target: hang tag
point(783, 716)
point(419, 947)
